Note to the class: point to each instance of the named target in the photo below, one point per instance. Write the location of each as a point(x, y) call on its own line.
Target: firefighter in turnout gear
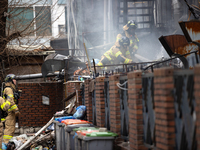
point(9, 95)
point(119, 53)
point(129, 32)
point(5, 105)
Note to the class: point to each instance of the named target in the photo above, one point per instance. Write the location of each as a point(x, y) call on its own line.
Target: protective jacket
point(134, 41)
point(116, 55)
point(5, 105)
point(9, 95)
point(10, 120)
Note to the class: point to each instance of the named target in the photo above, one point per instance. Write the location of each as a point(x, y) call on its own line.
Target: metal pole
point(105, 20)
point(196, 58)
point(94, 67)
point(87, 55)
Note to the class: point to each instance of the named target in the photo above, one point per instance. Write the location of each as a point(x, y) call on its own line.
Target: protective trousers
point(1, 134)
point(9, 127)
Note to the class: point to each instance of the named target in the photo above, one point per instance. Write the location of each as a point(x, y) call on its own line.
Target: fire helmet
point(132, 24)
point(10, 77)
point(124, 41)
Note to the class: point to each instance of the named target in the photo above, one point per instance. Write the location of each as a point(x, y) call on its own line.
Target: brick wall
point(33, 111)
point(135, 110)
point(164, 108)
point(100, 102)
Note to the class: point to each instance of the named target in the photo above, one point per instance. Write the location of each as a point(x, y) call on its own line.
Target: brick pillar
point(78, 93)
point(79, 98)
point(164, 108)
point(69, 89)
point(115, 116)
point(197, 99)
point(100, 101)
point(115, 122)
point(135, 111)
point(88, 100)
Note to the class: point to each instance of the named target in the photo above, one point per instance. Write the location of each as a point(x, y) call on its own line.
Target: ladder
point(139, 10)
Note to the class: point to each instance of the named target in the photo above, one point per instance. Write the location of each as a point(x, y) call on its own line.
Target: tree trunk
point(3, 12)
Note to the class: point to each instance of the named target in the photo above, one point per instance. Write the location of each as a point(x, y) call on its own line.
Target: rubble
point(44, 138)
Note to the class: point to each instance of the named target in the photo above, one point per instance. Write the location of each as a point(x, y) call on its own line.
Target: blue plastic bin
point(60, 132)
point(59, 119)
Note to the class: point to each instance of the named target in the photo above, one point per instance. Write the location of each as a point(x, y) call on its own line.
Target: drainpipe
point(105, 20)
point(34, 76)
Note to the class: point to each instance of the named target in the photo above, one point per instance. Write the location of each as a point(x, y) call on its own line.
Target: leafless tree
point(24, 23)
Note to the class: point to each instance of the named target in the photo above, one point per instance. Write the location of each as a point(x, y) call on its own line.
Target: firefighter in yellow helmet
point(119, 53)
point(13, 111)
point(129, 31)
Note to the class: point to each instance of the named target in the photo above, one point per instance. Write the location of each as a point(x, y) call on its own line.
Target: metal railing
point(94, 121)
point(124, 68)
point(148, 109)
point(184, 102)
point(123, 92)
point(82, 93)
point(167, 61)
point(107, 103)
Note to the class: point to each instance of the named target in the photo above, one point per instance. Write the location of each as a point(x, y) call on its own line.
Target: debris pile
point(44, 139)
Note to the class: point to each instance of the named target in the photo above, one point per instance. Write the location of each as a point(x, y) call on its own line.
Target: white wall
point(57, 17)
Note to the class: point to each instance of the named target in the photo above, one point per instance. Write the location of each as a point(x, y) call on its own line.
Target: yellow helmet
point(132, 24)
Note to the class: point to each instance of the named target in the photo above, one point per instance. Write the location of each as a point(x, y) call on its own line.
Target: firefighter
point(5, 105)
point(129, 31)
point(9, 95)
point(117, 54)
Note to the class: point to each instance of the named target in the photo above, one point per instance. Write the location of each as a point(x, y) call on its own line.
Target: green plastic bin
point(69, 134)
point(77, 141)
point(98, 141)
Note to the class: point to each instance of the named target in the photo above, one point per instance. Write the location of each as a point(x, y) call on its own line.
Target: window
point(61, 29)
point(30, 2)
point(62, 2)
point(43, 21)
point(22, 19)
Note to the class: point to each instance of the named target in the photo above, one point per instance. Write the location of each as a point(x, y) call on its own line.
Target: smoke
point(150, 46)
point(99, 20)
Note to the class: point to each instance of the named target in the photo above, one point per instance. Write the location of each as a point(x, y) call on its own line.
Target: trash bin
point(59, 132)
point(98, 141)
point(71, 124)
point(77, 141)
